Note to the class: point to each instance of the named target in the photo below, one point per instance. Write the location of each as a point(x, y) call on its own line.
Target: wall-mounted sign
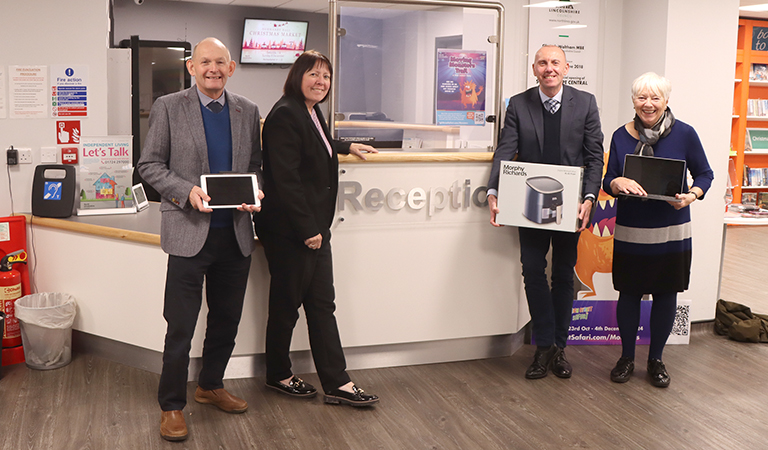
point(69, 91)
point(573, 28)
point(460, 87)
point(67, 132)
point(28, 85)
point(760, 38)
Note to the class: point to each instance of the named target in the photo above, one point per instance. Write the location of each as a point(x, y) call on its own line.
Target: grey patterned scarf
point(650, 136)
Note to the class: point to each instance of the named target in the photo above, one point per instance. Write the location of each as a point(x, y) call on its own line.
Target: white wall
point(191, 22)
point(36, 39)
point(700, 59)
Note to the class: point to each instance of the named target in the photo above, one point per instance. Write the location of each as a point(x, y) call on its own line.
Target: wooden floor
point(745, 267)
point(717, 400)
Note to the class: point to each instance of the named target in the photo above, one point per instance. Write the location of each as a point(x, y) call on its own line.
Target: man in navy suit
point(203, 129)
point(551, 124)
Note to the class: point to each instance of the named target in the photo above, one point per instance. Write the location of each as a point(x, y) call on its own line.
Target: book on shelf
point(762, 200)
point(758, 72)
point(745, 175)
point(749, 198)
point(756, 213)
point(757, 107)
point(757, 176)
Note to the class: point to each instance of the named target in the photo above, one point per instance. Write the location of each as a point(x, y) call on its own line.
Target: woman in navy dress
point(652, 238)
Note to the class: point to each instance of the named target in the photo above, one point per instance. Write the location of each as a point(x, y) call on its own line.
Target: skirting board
point(368, 357)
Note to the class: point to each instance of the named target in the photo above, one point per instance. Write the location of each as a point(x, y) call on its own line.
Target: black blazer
point(301, 180)
point(581, 139)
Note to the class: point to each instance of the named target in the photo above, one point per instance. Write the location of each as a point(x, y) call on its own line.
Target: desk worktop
point(143, 226)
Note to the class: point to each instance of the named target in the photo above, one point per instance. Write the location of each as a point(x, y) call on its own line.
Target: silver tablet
point(230, 190)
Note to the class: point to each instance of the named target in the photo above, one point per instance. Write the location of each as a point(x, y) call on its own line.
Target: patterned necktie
point(552, 105)
point(215, 107)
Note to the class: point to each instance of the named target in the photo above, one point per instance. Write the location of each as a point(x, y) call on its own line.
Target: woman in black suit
point(300, 186)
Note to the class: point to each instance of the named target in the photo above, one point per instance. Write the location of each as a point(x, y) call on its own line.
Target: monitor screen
point(272, 41)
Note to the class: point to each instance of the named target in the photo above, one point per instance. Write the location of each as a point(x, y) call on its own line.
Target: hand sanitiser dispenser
point(53, 191)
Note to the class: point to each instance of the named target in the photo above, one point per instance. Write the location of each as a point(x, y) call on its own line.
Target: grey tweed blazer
point(174, 156)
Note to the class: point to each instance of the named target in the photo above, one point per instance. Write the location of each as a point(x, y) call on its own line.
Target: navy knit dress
point(652, 240)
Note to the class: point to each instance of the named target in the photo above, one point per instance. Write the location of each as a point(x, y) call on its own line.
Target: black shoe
point(295, 388)
point(358, 398)
point(560, 366)
point(623, 370)
point(542, 359)
point(658, 373)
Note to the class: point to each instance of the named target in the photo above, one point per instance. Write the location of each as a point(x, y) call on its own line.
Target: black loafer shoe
point(295, 388)
point(658, 373)
point(560, 366)
point(542, 359)
point(623, 370)
point(357, 398)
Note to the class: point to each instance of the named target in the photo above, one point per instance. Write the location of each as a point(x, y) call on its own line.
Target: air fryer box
point(539, 195)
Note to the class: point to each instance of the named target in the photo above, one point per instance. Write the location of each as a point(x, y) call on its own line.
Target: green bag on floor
point(739, 323)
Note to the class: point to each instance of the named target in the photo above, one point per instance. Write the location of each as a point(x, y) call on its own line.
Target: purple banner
point(594, 323)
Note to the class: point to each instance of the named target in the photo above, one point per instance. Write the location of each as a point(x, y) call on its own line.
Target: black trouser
point(301, 276)
point(225, 271)
point(550, 308)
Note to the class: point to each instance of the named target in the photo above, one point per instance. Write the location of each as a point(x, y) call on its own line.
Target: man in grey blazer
point(551, 124)
point(203, 129)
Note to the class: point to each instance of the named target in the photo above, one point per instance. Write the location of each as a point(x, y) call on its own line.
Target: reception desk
point(420, 274)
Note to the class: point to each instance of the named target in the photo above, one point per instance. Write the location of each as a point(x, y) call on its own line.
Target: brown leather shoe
point(172, 426)
point(222, 399)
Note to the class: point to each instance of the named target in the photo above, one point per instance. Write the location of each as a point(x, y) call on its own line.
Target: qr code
point(682, 321)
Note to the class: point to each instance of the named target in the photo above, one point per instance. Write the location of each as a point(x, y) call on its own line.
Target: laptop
point(661, 178)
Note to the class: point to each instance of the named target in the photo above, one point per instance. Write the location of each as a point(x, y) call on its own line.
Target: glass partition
point(417, 76)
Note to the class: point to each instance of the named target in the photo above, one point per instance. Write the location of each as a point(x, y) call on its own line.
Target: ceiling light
point(755, 8)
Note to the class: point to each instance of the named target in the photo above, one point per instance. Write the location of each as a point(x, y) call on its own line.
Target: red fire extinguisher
point(10, 290)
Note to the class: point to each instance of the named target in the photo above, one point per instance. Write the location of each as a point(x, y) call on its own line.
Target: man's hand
point(493, 206)
point(196, 197)
point(251, 208)
point(584, 210)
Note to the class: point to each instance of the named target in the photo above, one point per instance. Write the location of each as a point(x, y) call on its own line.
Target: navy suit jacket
point(581, 139)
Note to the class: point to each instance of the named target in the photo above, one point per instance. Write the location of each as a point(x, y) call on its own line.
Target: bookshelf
point(750, 104)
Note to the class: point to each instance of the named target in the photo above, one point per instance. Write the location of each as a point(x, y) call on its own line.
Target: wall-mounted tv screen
point(272, 41)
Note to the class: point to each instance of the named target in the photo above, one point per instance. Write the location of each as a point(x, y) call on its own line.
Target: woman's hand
point(686, 199)
point(623, 185)
point(314, 242)
point(358, 149)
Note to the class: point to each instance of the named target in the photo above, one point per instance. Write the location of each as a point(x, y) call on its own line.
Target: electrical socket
point(49, 155)
point(25, 156)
